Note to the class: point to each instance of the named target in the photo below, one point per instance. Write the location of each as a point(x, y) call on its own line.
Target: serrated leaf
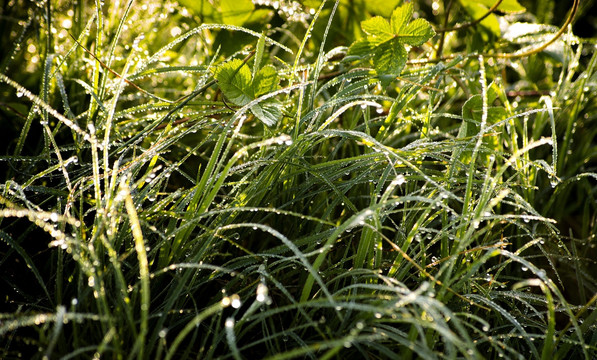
point(377, 28)
point(234, 79)
point(361, 48)
point(400, 18)
point(268, 112)
point(385, 40)
point(417, 32)
point(390, 58)
point(265, 81)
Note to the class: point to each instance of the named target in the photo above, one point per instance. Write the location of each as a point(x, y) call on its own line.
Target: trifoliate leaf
point(385, 41)
point(234, 79)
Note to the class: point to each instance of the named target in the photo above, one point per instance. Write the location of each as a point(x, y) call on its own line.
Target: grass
point(450, 214)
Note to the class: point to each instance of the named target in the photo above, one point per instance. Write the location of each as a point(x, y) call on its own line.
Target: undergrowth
point(314, 179)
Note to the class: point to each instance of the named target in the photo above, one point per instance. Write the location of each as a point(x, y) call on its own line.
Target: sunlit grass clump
point(278, 179)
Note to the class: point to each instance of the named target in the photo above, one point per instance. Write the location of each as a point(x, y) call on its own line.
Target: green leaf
point(507, 6)
point(385, 41)
point(236, 12)
point(472, 112)
point(381, 7)
point(269, 112)
point(204, 9)
point(378, 29)
point(361, 48)
point(234, 79)
point(417, 32)
point(476, 10)
point(390, 58)
point(265, 81)
point(232, 12)
point(259, 16)
point(400, 18)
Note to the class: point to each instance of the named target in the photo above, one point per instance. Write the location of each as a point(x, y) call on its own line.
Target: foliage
point(385, 41)
point(283, 179)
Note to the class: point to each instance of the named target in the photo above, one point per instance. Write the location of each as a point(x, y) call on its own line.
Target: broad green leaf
point(417, 32)
point(203, 9)
point(390, 58)
point(259, 16)
point(385, 41)
point(232, 12)
point(236, 12)
point(265, 81)
point(400, 18)
point(269, 112)
point(472, 115)
point(472, 112)
point(476, 10)
point(234, 79)
point(361, 48)
point(381, 7)
point(507, 6)
point(377, 28)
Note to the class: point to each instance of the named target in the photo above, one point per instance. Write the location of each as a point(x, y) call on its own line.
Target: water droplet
point(399, 180)
point(235, 301)
point(262, 292)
